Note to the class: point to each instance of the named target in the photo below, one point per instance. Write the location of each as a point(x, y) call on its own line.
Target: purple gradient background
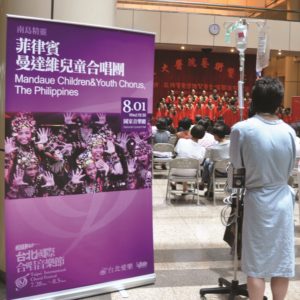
point(90, 231)
point(89, 43)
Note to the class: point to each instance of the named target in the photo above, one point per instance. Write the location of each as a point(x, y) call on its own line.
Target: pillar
point(292, 68)
point(293, 5)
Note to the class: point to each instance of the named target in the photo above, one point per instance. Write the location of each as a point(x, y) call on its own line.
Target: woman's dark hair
point(220, 120)
point(197, 118)
point(161, 124)
point(185, 123)
point(204, 122)
point(169, 121)
point(267, 95)
point(221, 130)
point(198, 132)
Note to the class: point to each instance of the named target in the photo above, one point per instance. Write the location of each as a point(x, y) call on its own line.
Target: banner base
point(96, 289)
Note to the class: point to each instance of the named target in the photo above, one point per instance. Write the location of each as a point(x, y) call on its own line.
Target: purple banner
point(78, 175)
point(134, 114)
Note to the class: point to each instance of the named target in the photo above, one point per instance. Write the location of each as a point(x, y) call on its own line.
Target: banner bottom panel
point(92, 290)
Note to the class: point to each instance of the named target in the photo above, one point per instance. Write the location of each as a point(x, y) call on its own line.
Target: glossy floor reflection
point(190, 252)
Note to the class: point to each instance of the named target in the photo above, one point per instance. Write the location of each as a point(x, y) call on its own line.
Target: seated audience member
point(220, 151)
point(208, 140)
point(170, 125)
point(297, 142)
point(217, 152)
point(184, 129)
point(162, 135)
point(153, 130)
point(189, 148)
point(197, 119)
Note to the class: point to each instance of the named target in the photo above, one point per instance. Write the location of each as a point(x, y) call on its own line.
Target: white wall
point(192, 29)
point(86, 11)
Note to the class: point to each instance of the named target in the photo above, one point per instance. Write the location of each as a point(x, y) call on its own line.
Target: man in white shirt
point(208, 139)
point(218, 152)
point(189, 148)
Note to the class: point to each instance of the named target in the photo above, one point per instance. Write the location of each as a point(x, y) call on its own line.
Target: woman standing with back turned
point(265, 146)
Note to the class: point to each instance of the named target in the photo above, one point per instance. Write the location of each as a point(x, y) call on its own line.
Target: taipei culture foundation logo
point(21, 282)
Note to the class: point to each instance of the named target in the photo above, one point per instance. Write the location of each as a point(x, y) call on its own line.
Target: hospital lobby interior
point(188, 230)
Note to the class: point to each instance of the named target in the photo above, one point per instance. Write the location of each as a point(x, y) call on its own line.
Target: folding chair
point(217, 182)
point(162, 153)
point(295, 172)
point(184, 170)
point(173, 139)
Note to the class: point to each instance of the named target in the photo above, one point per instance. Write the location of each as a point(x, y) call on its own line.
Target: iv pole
point(233, 288)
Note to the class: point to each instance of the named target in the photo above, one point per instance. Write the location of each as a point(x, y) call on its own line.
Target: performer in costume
point(225, 99)
point(180, 110)
point(23, 142)
point(203, 97)
point(28, 182)
point(171, 99)
point(214, 96)
point(210, 110)
point(194, 96)
point(143, 172)
point(181, 98)
point(189, 108)
point(234, 100)
point(87, 179)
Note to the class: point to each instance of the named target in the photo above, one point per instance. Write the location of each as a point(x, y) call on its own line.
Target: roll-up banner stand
point(78, 175)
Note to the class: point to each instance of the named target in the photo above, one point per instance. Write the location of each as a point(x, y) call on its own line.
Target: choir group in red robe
point(213, 106)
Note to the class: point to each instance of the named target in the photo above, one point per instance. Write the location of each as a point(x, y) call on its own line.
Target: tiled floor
point(190, 252)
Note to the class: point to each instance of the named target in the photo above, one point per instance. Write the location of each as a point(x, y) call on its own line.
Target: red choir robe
point(232, 115)
point(287, 118)
point(189, 111)
point(195, 99)
point(245, 113)
point(183, 100)
point(210, 111)
point(220, 110)
point(203, 99)
point(215, 99)
point(160, 113)
point(171, 100)
point(199, 109)
point(174, 117)
point(180, 112)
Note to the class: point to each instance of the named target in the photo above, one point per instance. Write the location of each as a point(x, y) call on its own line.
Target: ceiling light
point(279, 52)
point(182, 47)
point(232, 50)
